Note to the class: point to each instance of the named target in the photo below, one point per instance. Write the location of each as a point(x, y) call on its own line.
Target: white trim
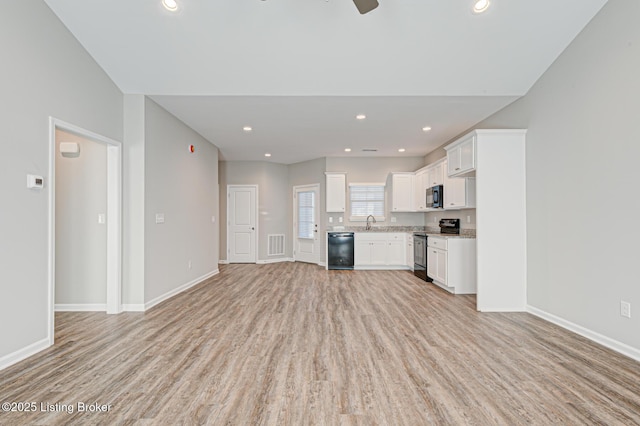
point(257, 219)
point(323, 264)
point(134, 307)
point(24, 353)
point(178, 290)
point(223, 262)
point(608, 342)
point(279, 260)
point(82, 307)
point(114, 211)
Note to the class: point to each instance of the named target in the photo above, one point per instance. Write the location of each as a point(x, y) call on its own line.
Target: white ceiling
point(299, 71)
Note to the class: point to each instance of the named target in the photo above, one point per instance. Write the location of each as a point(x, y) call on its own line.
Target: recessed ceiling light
point(401, 150)
point(171, 5)
point(247, 128)
point(481, 6)
point(426, 129)
point(267, 155)
point(347, 150)
point(361, 116)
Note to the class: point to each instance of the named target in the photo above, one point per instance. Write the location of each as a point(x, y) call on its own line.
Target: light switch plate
point(159, 217)
point(102, 218)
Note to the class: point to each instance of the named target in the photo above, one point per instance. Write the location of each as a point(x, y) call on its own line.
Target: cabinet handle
point(457, 168)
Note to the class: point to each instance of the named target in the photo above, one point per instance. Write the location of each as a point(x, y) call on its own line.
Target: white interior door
point(306, 242)
point(242, 224)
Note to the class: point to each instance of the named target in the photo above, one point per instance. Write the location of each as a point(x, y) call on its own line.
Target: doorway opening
point(112, 216)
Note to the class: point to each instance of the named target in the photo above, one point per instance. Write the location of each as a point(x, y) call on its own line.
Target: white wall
point(184, 187)
point(45, 72)
point(273, 197)
point(81, 242)
point(582, 176)
point(582, 150)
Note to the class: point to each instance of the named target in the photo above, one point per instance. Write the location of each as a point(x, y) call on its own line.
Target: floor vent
point(276, 245)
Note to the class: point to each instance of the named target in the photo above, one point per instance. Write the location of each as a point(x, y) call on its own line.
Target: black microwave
point(435, 195)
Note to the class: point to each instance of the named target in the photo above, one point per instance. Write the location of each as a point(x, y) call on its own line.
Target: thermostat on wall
point(35, 182)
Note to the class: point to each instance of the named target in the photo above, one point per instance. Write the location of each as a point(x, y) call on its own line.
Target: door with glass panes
point(306, 240)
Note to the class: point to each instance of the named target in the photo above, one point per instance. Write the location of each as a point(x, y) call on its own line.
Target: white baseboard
point(24, 353)
point(610, 343)
point(178, 290)
point(80, 307)
point(133, 307)
point(278, 260)
point(223, 262)
point(381, 268)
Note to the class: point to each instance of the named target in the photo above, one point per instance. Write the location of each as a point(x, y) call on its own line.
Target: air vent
point(369, 150)
point(275, 245)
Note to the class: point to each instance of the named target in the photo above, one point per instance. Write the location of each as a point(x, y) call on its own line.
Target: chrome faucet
point(368, 227)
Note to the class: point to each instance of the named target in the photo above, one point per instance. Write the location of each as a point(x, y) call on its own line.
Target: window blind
point(366, 200)
point(306, 209)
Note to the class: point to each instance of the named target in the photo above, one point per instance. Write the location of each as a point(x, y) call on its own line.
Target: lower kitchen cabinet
point(451, 263)
point(380, 250)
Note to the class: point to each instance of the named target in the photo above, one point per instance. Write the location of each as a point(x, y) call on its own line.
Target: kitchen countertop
point(447, 236)
point(429, 231)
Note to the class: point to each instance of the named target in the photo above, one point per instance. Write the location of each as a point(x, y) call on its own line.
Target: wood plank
point(292, 343)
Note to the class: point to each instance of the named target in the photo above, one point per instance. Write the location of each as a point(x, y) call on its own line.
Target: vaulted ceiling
point(299, 71)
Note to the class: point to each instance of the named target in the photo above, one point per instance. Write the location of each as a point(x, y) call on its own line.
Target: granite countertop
point(429, 231)
point(447, 236)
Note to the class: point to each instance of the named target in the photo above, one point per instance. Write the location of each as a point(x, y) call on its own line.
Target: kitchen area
point(438, 252)
point(454, 197)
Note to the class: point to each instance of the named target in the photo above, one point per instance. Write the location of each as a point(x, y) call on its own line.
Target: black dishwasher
point(340, 250)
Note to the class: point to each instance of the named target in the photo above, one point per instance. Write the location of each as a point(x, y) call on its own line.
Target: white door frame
point(114, 217)
point(255, 234)
point(315, 187)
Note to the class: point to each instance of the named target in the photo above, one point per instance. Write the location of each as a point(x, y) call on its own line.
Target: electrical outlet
point(625, 309)
point(393, 219)
point(468, 219)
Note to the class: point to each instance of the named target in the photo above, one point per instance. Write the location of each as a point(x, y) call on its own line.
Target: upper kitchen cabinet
point(336, 192)
point(461, 156)
point(420, 186)
point(435, 173)
point(402, 192)
point(459, 193)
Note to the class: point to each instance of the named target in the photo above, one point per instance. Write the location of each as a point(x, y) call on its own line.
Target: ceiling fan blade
point(365, 6)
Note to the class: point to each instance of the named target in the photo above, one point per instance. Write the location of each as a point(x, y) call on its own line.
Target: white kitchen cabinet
point(435, 174)
point(409, 258)
point(437, 265)
point(459, 193)
point(420, 187)
point(380, 250)
point(451, 263)
point(396, 254)
point(461, 157)
point(402, 188)
point(336, 192)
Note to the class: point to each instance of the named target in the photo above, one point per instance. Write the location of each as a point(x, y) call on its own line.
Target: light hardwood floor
point(293, 344)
